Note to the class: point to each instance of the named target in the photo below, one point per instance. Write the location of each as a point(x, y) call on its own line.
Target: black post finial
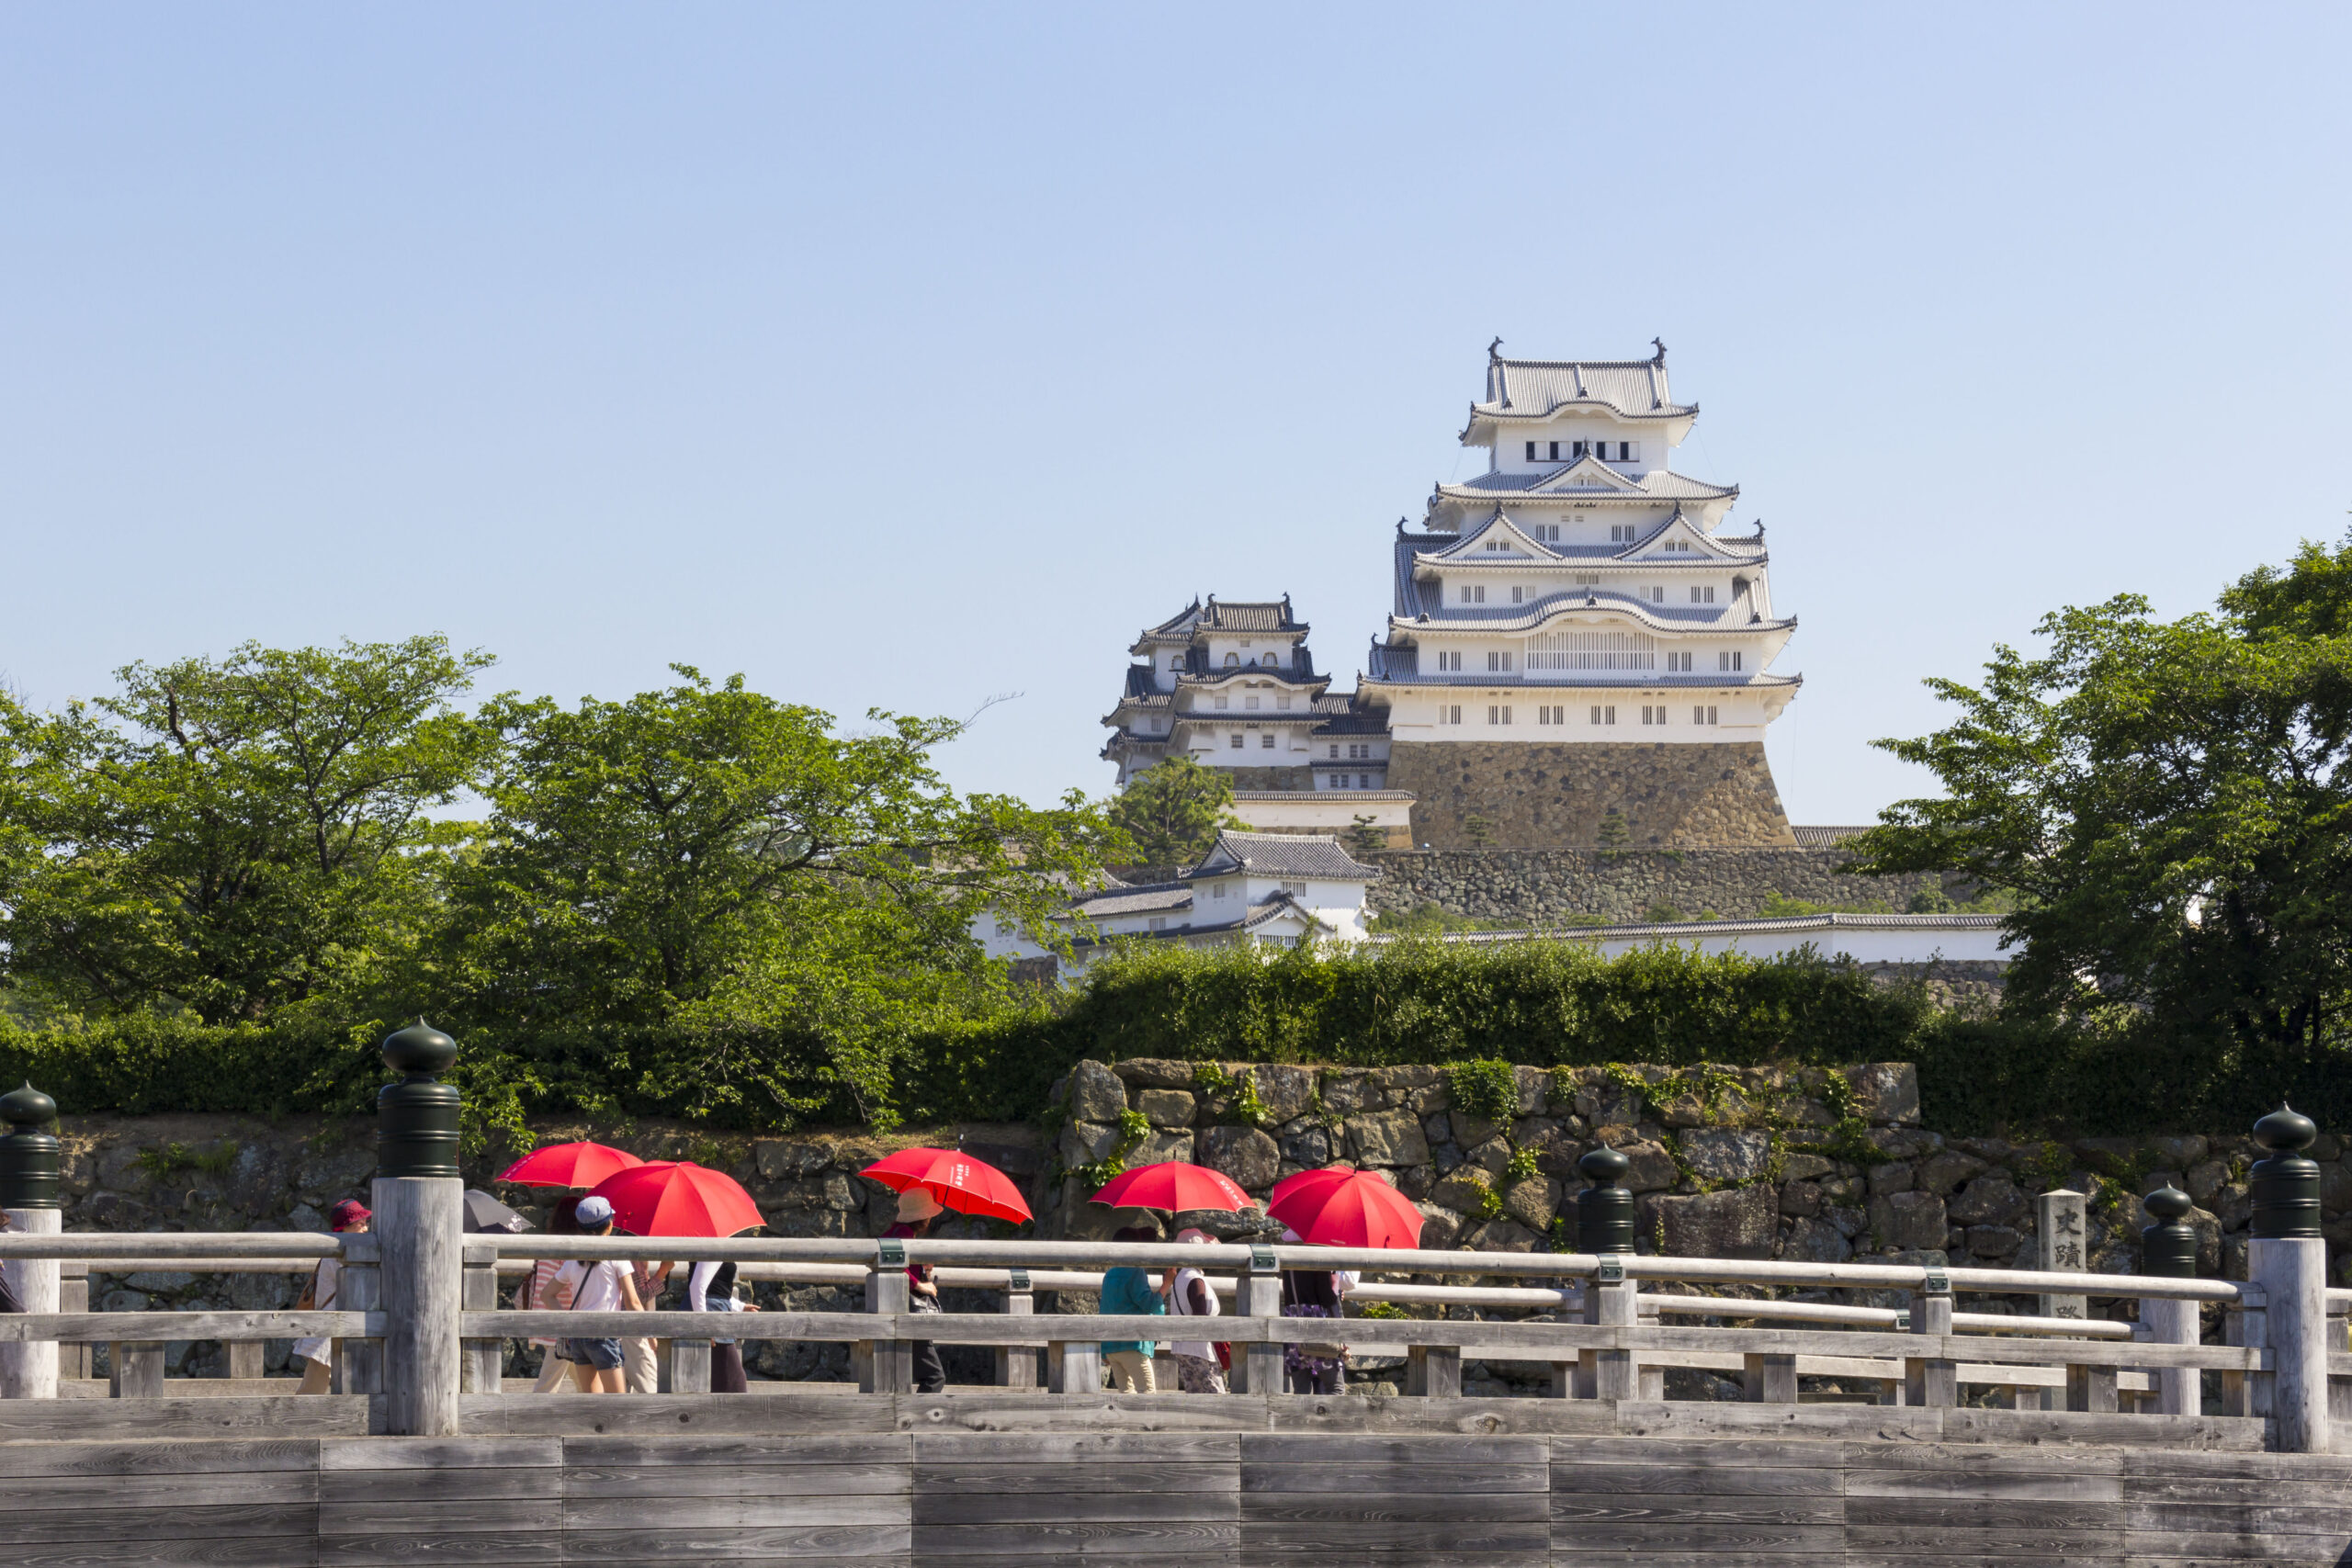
point(2286, 1186)
point(1604, 1210)
point(2169, 1248)
point(29, 1152)
point(416, 1118)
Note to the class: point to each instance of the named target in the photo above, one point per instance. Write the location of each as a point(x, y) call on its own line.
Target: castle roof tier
point(1525, 392)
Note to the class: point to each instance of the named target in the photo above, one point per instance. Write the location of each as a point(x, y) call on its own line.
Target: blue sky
point(906, 357)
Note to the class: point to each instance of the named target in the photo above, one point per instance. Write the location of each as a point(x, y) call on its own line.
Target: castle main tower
point(1575, 657)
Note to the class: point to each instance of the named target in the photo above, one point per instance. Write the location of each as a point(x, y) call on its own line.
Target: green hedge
point(1535, 1003)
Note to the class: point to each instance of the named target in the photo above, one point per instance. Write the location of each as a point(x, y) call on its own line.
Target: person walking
point(349, 1217)
point(544, 1291)
point(710, 1287)
point(917, 1209)
point(640, 1361)
point(1197, 1368)
point(606, 1285)
point(1318, 1366)
point(1128, 1291)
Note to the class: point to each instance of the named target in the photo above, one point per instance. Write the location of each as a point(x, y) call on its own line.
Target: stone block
point(1095, 1093)
point(1816, 1241)
point(1895, 1176)
point(1159, 1146)
point(1086, 1141)
point(1939, 1173)
point(1493, 1156)
point(1464, 1194)
point(1534, 1088)
point(1346, 1093)
point(1389, 1137)
point(1651, 1169)
point(1471, 1131)
point(1437, 1127)
point(1995, 1241)
point(2204, 1179)
point(1888, 1092)
point(1285, 1092)
point(1533, 1202)
point(1397, 1080)
point(2334, 1187)
point(1908, 1219)
point(1166, 1107)
point(2178, 1153)
point(1502, 1235)
point(1907, 1143)
point(1245, 1153)
point(1155, 1072)
point(1801, 1200)
point(1439, 1227)
point(1723, 1154)
point(1805, 1167)
point(780, 1159)
point(1740, 1221)
point(1991, 1200)
point(1306, 1144)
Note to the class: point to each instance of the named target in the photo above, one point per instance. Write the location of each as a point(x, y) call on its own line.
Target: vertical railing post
point(1932, 1379)
point(1605, 1228)
point(74, 1295)
point(29, 1168)
point(419, 1201)
point(481, 1367)
point(135, 1369)
point(889, 1294)
point(1260, 1365)
point(1016, 1365)
point(360, 1361)
point(2168, 1251)
point(2288, 1259)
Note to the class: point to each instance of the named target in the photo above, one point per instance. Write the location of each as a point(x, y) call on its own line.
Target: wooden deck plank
point(401, 1550)
point(736, 1481)
point(91, 1524)
point(26, 1461)
point(1591, 1479)
point(1383, 1508)
point(1113, 1506)
point(171, 1552)
point(643, 1450)
point(437, 1516)
point(695, 1544)
point(1092, 1539)
point(1433, 1476)
point(439, 1454)
point(412, 1488)
point(155, 1420)
point(996, 1479)
point(1736, 1540)
point(1491, 1536)
point(951, 1447)
point(606, 1515)
point(137, 1494)
point(1694, 1507)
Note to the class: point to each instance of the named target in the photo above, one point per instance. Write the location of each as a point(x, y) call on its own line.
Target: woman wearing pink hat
point(1197, 1367)
point(349, 1217)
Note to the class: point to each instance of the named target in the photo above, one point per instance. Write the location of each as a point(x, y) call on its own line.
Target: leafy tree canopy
point(2167, 801)
point(231, 838)
point(795, 903)
point(1172, 811)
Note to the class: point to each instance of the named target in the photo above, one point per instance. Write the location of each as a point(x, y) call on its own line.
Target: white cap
point(593, 1212)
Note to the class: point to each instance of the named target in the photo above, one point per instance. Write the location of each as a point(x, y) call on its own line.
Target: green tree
point(1172, 811)
point(233, 838)
point(784, 905)
point(2167, 803)
point(1365, 837)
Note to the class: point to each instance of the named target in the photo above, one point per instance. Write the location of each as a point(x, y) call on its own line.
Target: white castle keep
point(1572, 641)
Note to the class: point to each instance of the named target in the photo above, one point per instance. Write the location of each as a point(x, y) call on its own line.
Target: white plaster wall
point(1864, 944)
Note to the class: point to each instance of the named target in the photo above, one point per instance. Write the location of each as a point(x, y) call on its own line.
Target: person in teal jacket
point(1132, 1292)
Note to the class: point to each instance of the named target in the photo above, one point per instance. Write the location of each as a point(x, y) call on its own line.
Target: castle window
point(1232, 661)
point(1548, 533)
point(1531, 451)
point(1727, 661)
point(1579, 448)
point(1266, 741)
point(1237, 744)
point(1266, 661)
point(1629, 451)
point(1216, 890)
point(1654, 714)
point(1449, 661)
point(1677, 546)
point(1177, 662)
point(1559, 715)
point(1678, 662)
point(1335, 753)
point(1296, 889)
point(1655, 595)
point(1703, 596)
point(1620, 533)
point(1251, 702)
point(1474, 595)
point(1703, 714)
point(1592, 650)
point(1518, 595)
point(1449, 713)
point(1363, 780)
point(1604, 715)
point(1587, 580)
point(1282, 700)
point(1498, 543)
point(1498, 714)
point(1339, 780)
point(1223, 702)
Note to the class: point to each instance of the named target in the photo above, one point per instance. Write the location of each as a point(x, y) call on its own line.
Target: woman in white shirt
point(607, 1286)
point(712, 1287)
point(1198, 1370)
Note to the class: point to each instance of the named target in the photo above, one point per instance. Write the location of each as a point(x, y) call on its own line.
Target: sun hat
point(916, 1204)
point(593, 1212)
point(349, 1213)
point(1195, 1235)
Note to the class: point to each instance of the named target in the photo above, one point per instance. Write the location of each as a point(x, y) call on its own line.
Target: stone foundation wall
point(1551, 795)
point(1542, 885)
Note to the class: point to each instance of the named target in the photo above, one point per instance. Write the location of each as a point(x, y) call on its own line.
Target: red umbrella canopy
point(959, 1182)
point(1346, 1208)
point(679, 1198)
point(569, 1165)
point(1173, 1186)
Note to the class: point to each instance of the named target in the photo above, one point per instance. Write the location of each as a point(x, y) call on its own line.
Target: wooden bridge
point(1953, 1439)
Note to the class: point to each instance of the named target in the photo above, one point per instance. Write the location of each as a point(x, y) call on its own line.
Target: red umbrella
point(1346, 1208)
point(958, 1181)
point(569, 1165)
point(678, 1197)
point(1173, 1186)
